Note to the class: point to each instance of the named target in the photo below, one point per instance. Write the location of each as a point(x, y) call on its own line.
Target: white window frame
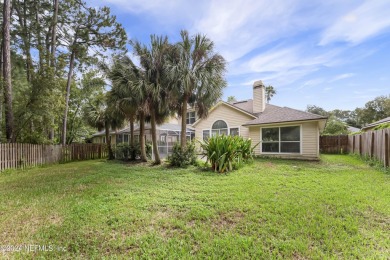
point(206, 130)
point(239, 130)
point(227, 125)
point(163, 136)
point(189, 117)
point(281, 126)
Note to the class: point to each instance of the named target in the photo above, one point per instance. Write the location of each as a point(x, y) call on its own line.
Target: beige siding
point(173, 120)
point(310, 140)
point(97, 140)
point(231, 116)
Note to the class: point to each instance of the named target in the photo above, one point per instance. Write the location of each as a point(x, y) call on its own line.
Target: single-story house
point(373, 125)
point(280, 131)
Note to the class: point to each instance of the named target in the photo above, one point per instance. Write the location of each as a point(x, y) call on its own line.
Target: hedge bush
point(123, 151)
point(182, 157)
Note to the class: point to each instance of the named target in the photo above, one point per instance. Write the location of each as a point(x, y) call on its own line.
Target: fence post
point(338, 145)
point(386, 159)
point(372, 144)
point(360, 145)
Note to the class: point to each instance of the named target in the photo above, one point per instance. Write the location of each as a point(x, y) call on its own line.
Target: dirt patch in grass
point(227, 221)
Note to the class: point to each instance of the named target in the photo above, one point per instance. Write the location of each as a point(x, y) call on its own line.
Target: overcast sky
point(333, 54)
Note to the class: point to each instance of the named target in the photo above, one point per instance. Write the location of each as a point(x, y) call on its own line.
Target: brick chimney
point(258, 97)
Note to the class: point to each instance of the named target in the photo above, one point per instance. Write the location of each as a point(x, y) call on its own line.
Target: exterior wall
point(309, 138)
point(99, 139)
point(231, 116)
point(174, 120)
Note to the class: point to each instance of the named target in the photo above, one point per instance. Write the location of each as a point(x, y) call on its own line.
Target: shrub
point(183, 157)
point(124, 150)
point(226, 153)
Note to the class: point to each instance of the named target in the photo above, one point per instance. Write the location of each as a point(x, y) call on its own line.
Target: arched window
point(219, 128)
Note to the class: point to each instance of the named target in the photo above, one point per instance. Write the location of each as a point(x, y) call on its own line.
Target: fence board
point(18, 155)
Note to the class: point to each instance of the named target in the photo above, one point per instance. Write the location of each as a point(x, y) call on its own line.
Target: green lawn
point(337, 208)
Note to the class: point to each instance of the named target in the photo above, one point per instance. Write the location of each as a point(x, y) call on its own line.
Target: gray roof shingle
point(275, 114)
point(246, 105)
point(384, 120)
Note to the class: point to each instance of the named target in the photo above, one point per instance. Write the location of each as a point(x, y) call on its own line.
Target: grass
point(336, 208)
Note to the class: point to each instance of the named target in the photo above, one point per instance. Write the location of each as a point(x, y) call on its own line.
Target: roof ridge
point(305, 112)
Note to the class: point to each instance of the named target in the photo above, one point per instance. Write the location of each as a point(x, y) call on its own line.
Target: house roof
point(246, 105)
point(384, 120)
point(353, 129)
point(276, 114)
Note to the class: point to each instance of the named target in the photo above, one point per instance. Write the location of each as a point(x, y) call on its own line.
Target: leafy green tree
point(197, 76)
point(91, 28)
point(317, 110)
point(335, 126)
point(6, 70)
point(98, 114)
point(270, 91)
point(375, 110)
point(90, 86)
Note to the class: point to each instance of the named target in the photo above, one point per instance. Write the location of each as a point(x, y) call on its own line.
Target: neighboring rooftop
point(382, 121)
point(246, 105)
point(276, 114)
point(353, 129)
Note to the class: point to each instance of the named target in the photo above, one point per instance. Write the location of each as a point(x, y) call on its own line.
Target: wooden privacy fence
point(374, 144)
point(24, 155)
point(334, 144)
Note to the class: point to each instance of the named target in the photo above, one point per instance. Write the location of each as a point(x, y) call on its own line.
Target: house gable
point(234, 118)
point(249, 115)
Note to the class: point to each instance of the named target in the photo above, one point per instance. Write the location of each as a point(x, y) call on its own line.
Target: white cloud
point(140, 6)
point(367, 20)
point(342, 76)
point(284, 66)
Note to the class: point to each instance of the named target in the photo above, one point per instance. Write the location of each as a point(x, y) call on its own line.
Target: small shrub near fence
point(17, 155)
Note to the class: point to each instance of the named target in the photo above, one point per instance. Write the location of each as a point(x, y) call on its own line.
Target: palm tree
point(197, 75)
point(153, 63)
point(231, 99)
point(98, 114)
point(269, 92)
point(127, 95)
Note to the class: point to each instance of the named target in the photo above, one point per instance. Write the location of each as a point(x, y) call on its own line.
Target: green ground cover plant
point(226, 153)
point(336, 208)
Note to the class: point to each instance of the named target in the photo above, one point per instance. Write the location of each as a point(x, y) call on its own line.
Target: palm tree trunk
point(108, 142)
point(157, 159)
point(68, 84)
point(142, 136)
point(132, 156)
point(183, 134)
point(9, 115)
